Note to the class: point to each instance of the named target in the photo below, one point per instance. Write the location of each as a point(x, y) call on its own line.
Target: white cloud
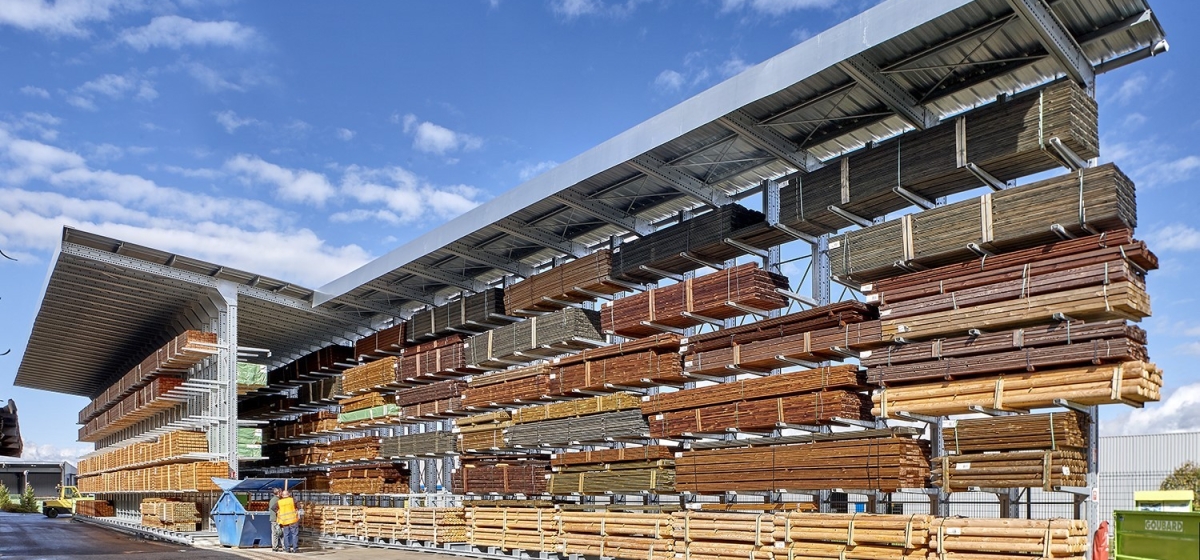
point(292, 185)
point(533, 170)
point(32, 451)
point(801, 34)
point(212, 80)
point(1166, 172)
point(176, 32)
point(201, 173)
point(32, 91)
point(62, 17)
point(41, 124)
point(436, 139)
point(112, 86)
point(669, 81)
point(105, 152)
point(231, 121)
point(1132, 87)
point(1134, 120)
point(774, 7)
point(404, 194)
point(1175, 237)
point(1179, 412)
point(698, 68)
point(734, 66)
point(344, 134)
point(573, 9)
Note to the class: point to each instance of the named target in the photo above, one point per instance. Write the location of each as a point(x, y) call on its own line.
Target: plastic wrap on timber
point(420, 444)
point(387, 342)
point(712, 296)
point(1007, 220)
point(510, 477)
point(562, 330)
point(1129, 382)
point(763, 415)
point(168, 446)
point(474, 313)
point(593, 428)
point(431, 392)
point(886, 463)
point(1010, 469)
point(810, 346)
point(637, 477)
point(702, 237)
point(790, 383)
point(573, 282)
point(174, 358)
point(647, 368)
point(826, 316)
point(1006, 139)
point(576, 408)
point(618, 455)
point(975, 538)
point(513, 386)
point(522, 527)
point(1023, 432)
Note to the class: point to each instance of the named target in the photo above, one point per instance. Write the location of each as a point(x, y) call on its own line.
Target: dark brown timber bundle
point(646, 368)
point(826, 316)
point(592, 428)
point(501, 477)
point(619, 478)
point(1093, 199)
point(354, 449)
point(569, 328)
point(573, 282)
point(791, 383)
point(331, 359)
point(444, 356)
point(1051, 431)
point(619, 455)
point(174, 358)
point(763, 415)
point(431, 392)
point(387, 342)
point(814, 346)
point(475, 312)
point(710, 296)
point(1010, 469)
point(880, 463)
point(702, 237)
point(513, 386)
point(427, 443)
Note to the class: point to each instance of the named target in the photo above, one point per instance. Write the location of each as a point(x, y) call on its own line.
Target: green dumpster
point(1157, 535)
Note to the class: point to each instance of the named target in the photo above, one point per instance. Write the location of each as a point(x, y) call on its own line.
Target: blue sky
point(300, 140)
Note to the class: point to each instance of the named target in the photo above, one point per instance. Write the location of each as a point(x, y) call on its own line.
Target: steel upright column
point(225, 396)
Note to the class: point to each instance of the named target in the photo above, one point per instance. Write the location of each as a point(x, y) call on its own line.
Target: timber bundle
point(643, 362)
point(95, 508)
point(854, 536)
point(172, 515)
point(364, 377)
point(364, 401)
point(483, 432)
point(431, 525)
point(723, 294)
point(823, 317)
point(763, 415)
point(626, 535)
point(571, 283)
point(316, 454)
point(986, 539)
point(1093, 199)
point(709, 535)
point(181, 477)
point(509, 475)
point(159, 394)
point(701, 238)
point(437, 524)
point(169, 445)
point(1050, 431)
point(810, 346)
point(440, 390)
point(430, 360)
point(601, 427)
point(618, 477)
point(1010, 469)
point(886, 463)
point(427, 443)
point(569, 328)
point(530, 528)
point(465, 313)
point(373, 478)
point(789, 383)
point(250, 378)
point(387, 342)
point(354, 449)
point(174, 358)
point(576, 408)
point(513, 386)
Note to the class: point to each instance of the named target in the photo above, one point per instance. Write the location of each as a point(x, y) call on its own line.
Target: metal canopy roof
point(899, 65)
point(109, 304)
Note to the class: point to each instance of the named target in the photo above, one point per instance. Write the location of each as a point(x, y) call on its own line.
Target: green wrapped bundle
point(368, 414)
point(250, 377)
point(250, 442)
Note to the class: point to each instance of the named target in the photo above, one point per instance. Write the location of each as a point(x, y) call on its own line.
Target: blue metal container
point(240, 528)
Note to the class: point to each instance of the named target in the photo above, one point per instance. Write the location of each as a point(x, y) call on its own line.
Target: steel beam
point(604, 212)
point(887, 91)
point(1057, 40)
point(460, 249)
point(768, 140)
point(659, 170)
point(444, 276)
point(516, 228)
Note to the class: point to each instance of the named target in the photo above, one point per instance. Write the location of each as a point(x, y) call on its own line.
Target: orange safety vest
point(287, 512)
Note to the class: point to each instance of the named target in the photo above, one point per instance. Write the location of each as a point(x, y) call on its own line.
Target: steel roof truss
point(460, 249)
point(1057, 40)
point(768, 140)
point(657, 169)
point(887, 91)
point(528, 232)
point(446, 277)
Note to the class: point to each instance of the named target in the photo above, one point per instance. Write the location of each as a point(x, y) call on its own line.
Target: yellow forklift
point(67, 497)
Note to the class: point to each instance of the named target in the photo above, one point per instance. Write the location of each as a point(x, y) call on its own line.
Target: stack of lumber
point(712, 296)
point(483, 432)
point(441, 408)
point(387, 342)
point(354, 449)
point(987, 539)
point(374, 478)
point(331, 359)
point(341, 520)
point(1010, 469)
point(566, 431)
point(508, 528)
point(171, 515)
point(95, 508)
point(773, 353)
point(364, 377)
point(427, 443)
point(314, 516)
point(1129, 382)
point(437, 524)
point(823, 317)
point(639, 363)
point(708, 535)
point(762, 415)
point(174, 358)
point(441, 390)
point(316, 454)
point(249, 443)
point(384, 523)
point(1050, 431)
point(573, 282)
point(501, 476)
point(159, 394)
point(626, 535)
point(1023, 349)
point(169, 446)
point(513, 386)
point(1093, 199)
point(382, 414)
point(702, 237)
point(250, 377)
point(624, 477)
point(1007, 139)
point(308, 424)
point(431, 360)
point(566, 329)
point(465, 313)
point(885, 463)
point(165, 478)
point(364, 401)
point(316, 483)
point(618, 455)
point(845, 377)
point(576, 408)
point(854, 536)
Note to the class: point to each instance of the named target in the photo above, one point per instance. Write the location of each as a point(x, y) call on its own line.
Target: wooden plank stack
point(387, 342)
point(576, 408)
point(625, 535)
point(573, 282)
point(179, 477)
point(710, 296)
point(501, 476)
point(168, 446)
point(439, 409)
point(172, 515)
point(823, 317)
point(643, 362)
point(1050, 431)
point(789, 383)
point(159, 394)
point(514, 386)
point(354, 449)
point(364, 377)
point(569, 328)
point(887, 463)
point(440, 390)
point(762, 415)
point(709, 535)
point(509, 528)
point(95, 508)
point(781, 352)
point(567, 431)
point(854, 536)
point(702, 237)
point(433, 360)
point(988, 539)
point(622, 477)
point(420, 444)
point(384, 522)
point(364, 401)
point(465, 313)
point(308, 424)
point(483, 432)
point(437, 525)
point(373, 478)
point(1010, 469)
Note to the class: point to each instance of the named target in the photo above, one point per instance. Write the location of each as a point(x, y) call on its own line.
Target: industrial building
point(44, 476)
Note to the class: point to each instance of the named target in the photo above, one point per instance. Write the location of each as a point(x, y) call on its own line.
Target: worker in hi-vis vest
point(289, 520)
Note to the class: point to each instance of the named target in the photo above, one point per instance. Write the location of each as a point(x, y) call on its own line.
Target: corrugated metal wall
point(1132, 463)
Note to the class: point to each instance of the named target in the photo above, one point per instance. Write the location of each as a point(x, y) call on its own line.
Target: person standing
point(289, 520)
point(276, 530)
